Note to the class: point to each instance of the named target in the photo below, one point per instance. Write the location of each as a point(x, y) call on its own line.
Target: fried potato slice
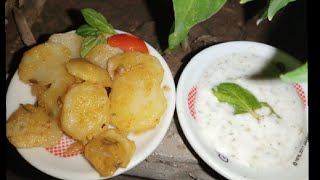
point(30, 126)
point(109, 151)
point(100, 54)
point(75, 148)
point(71, 40)
point(85, 111)
point(124, 62)
point(87, 71)
point(44, 64)
point(126, 143)
point(137, 101)
point(51, 99)
point(38, 89)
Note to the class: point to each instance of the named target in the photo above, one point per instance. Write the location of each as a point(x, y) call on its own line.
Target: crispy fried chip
point(127, 144)
point(137, 101)
point(30, 126)
point(43, 67)
point(89, 72)
point(51, 99)
point(44, 64)
point(100, 54)
point(85, 112)
point(74, 148)
point(70, 40)
point(124, 62)
point(109, 151)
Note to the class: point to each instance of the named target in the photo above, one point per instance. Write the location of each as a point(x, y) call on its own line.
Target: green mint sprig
point(241, 99)
point(97, 26)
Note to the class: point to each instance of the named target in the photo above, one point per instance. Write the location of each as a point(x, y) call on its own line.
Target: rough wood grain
point(23, 28)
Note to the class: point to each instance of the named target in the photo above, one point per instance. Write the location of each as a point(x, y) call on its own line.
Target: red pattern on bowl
point(300, 93)
point(61, 148)
point(191, 101)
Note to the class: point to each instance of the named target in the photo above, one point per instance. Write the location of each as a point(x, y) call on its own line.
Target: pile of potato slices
point(97, 100)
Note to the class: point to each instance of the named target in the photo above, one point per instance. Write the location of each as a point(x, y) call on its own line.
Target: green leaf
point(97, 20)
point(275, 6)
point(187, 14)
point(241, 99)
point(299, 74)
point(244, 1)
point(271, 109)
point(89, 43)
point(86, 30)
point(263, 16)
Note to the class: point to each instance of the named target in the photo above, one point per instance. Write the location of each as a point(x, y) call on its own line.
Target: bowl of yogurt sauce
point(238, 146)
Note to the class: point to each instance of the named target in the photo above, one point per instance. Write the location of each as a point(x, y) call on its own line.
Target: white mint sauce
point(266, 143)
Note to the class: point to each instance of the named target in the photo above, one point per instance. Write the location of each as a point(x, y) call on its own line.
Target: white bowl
point(76, 166)
point(186, 92)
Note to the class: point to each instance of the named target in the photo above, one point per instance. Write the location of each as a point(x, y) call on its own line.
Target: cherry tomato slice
point(128, 42)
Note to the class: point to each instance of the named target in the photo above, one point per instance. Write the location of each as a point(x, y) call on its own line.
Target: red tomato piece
point(128, 42)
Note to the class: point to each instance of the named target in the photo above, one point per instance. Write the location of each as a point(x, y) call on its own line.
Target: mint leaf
point(187, 14)
point(89, 43)
point(299, 74)
point(241, 99)
point(86, 30)
point(97, 20)
point(271, 109)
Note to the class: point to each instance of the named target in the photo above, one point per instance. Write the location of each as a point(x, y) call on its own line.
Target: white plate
point(77, 167)
point(185, 89)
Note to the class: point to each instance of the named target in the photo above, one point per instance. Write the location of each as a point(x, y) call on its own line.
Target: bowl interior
point(187, 90)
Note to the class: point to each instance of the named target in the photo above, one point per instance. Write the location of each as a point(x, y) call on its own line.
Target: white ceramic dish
point(77, 167)
point(185, 90)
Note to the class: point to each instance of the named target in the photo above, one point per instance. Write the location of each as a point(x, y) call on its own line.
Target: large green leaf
point(187, 14)
point(299, 74)
point(263, 16)
point(244, 1)
point(275, 6)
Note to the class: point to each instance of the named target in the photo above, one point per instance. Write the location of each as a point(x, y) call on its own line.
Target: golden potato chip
point(85, 111)
point(89, 72)
point(108, 151)
point(100, 54)
point(74, 148)
point(71, 40)
point(45, 64)
point(38, 89)
point(30, 126)
point(137, 101)
point(127, 144)
point(51, 99)
point(124, 62)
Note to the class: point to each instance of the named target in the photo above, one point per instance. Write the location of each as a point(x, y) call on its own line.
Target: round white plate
point(77, 167)
point(298, 168)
